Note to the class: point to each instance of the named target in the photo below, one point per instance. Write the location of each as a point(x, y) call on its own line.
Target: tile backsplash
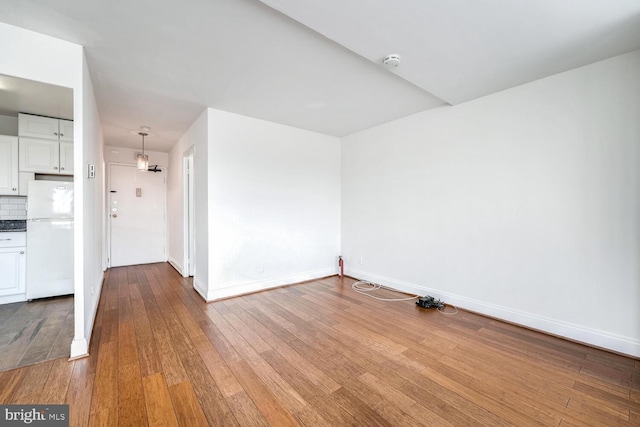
point(12, 207)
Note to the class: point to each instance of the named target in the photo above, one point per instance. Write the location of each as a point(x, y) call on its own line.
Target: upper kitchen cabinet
point(43, 156)
point(8, 165)
point(46, 145)
point(66, 158)
point(45, 127)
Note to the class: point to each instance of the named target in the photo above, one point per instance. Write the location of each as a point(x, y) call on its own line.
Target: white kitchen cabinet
point(45, 156)
point(13, 267)
point(66, 130)
point(66, 158)
point(9, 179)
point(37, 126)
point(45, 127)
point(39, 155)
point(45, 145)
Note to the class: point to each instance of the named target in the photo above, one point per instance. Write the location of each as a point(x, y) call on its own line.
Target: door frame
point(188, 214)
point(108, 207)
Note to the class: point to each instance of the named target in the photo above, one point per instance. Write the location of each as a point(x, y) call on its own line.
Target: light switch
point(138, 192)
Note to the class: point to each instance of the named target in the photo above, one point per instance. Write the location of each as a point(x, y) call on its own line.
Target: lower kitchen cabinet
point(13, 267)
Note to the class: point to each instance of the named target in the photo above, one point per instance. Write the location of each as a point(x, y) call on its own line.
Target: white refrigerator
point(49, 239)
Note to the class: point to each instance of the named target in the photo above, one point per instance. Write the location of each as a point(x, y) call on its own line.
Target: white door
point(136, 216)
point(189, 216)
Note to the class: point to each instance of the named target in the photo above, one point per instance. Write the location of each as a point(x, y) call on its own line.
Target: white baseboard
point(593, 337)
point(200, 289)
point(236, 289)
point(175, 264)
point(8, 299)
point(80, 346)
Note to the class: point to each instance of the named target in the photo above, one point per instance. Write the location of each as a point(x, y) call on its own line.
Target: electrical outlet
point(360, 260)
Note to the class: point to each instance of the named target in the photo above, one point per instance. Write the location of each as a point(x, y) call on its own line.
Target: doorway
point(137, 205)
point(189, 221)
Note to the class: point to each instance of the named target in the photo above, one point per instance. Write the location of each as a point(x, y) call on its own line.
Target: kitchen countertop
point(13, 225)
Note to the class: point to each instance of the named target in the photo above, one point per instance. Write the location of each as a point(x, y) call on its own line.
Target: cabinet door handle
point(14, 189)
point(55, 133)
point(21, 252)
point(62, 134)
point(4, 240)
point(61, 168)
point(55, 168)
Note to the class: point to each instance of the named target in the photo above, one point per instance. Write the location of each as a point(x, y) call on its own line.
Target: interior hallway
point(318, 354)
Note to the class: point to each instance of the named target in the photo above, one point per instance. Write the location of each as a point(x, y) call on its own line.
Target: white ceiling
point(160, 63)
point(459, 50)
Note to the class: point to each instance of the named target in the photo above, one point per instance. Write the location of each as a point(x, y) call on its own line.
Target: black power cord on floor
point(431, 302)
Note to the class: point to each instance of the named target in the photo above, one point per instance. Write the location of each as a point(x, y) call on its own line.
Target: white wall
point(524, 205)
point(196, 138)
point(34, 56)
point(274, 204)
point(91, 193)
point(175, 216)
point(127, 156)
point(199, 135)
point(29, 55)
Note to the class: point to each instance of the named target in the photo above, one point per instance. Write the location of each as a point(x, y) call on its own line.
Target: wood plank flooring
point(318, 354)
point(35, 331)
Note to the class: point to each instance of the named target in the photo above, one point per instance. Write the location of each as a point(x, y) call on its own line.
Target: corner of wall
point(177, 265)
point(247, 287)
point(202, 290)
point(79, 348)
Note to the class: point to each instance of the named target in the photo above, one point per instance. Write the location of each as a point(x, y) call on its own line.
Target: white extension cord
point(365, 288)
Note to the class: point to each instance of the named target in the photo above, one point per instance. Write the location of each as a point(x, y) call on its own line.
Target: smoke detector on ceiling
point(391, 61)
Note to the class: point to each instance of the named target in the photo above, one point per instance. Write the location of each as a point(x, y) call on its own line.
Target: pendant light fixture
point(143, 159)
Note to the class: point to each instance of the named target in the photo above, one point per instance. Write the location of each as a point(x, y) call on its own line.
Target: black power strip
point(429, 302)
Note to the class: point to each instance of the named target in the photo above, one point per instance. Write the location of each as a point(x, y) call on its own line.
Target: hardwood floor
point(32, 332)
point(318, 354)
